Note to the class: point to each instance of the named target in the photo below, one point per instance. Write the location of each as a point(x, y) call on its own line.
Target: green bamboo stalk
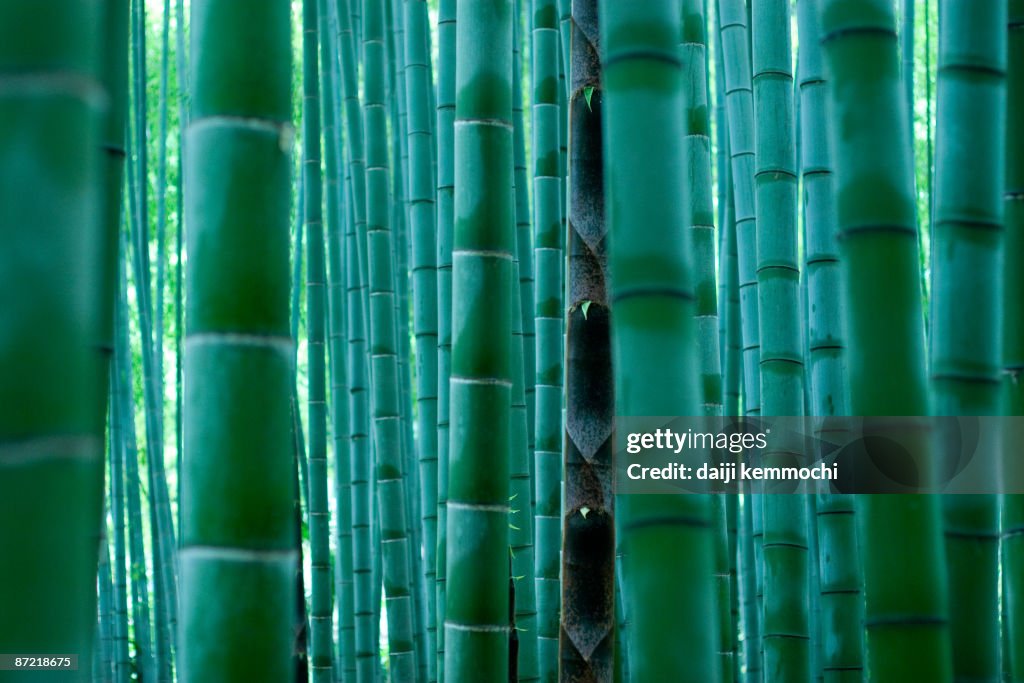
point(112, 140)
point(729, 291)
point(524, 597)
point(665, 541)
point(299, 474)
point(565, 33)
point(179, 238)
point(365, 648)
point(732, 511)
point(826, 338)
point(336, 201)
point(785, 630)
point(699, 213)
point(103, 664)
point(396, 99)
point(477, 613)
point(148, 319)
point(446, 19)
point(906, 608)
point(548, 257)
point(422, 216)
point(699, 219)
point(838, 558)
point(322, 607)
point(907, 28)
point(239, 543)
point(164, 544)
point(733, 22)
point(523, 390)
point(524, 246)
point(739, 103)
point(1013, 344)
point(967, 322)
point(57, 249)
point(588, 518)
point(753, 672)
point(116, 445)
point(386, 402)
point(145, 657)
point(115, 74)
point(161, 204)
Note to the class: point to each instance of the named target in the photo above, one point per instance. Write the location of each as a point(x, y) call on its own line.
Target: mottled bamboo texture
point(237, 527)
point(588, 552)
point(477, 619)
point(548, 260)
point(967, 331)
point(665, 541)
point(906, 606)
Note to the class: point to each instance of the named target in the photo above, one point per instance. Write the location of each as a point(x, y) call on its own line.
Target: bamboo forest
point(321, 320)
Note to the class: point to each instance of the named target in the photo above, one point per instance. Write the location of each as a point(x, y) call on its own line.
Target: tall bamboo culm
point(904, 570)
point(384, 370)
point(588, 550)
point(839, 577)
point(446, 19)
point(967, 335)
point(477, 618)
point(321, 607)
point(665, 541)
point(238, 465)
point(54, 385)
point(548, 295)
point(422, 222)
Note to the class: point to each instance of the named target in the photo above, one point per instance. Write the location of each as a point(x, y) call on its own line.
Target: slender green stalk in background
point(422, 224)
point(699, 210)
point(1013, 339)
point(840, 581)
point(666, 541)
point(322, 607)
point(906, 610)
point(785, 630)
point(145, 662)
point(366, 647)
point(477, 612)
point(548, 258)
point(699, 216)
point(337, 344)
point(238, 552)
point(446, 19)
point(967, 246)
point(386, 403)
point(739, 104)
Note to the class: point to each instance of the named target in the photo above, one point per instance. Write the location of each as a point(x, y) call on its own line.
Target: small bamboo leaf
point(584, 510)
point(584, 307)
point(588, 92)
